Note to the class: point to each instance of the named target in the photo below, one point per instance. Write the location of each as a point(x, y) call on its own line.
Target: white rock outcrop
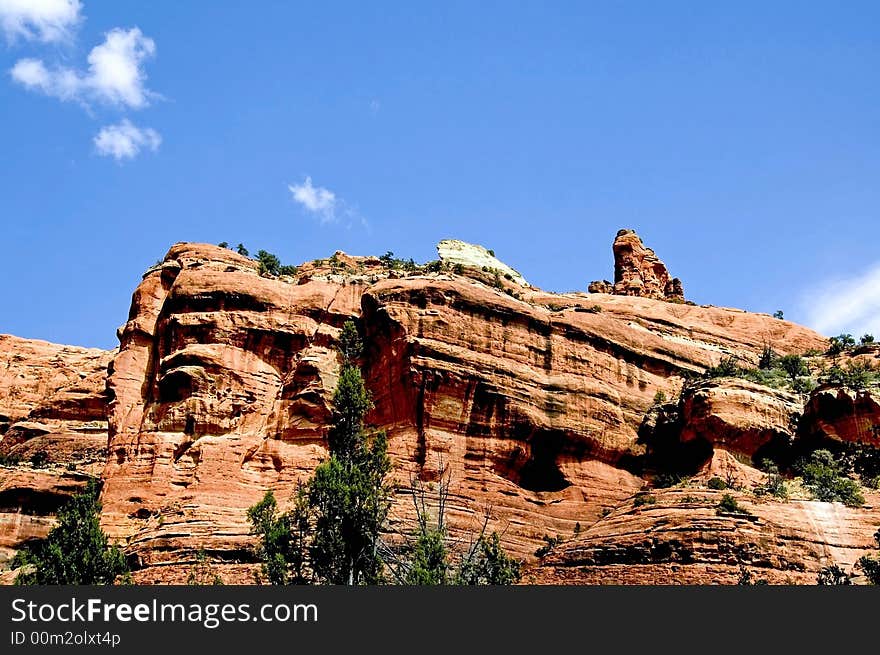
point(469, 254)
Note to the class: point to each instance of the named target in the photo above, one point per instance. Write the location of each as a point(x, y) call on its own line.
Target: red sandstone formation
point(542, 406)
point(680, 537)
point(738, 415)
point(639, 272)
point(51, 401)
point(223, 379)
point(844, 415)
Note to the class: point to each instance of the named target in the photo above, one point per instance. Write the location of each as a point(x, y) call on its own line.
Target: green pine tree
point(331, 536)
point(76, 551)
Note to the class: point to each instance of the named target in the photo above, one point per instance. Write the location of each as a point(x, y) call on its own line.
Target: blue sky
point(739, 139)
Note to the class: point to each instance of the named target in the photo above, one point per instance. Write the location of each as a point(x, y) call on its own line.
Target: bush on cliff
point(76, 551)
point(833, 575)
point(794, 366)
point(838, 344)
point(789, 371)
point(826, 480)
point(728, 505)
point(391, 262)
point(870, 566)
point(855, 375)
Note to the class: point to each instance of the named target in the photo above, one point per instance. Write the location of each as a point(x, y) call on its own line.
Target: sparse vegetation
point(866, 339)
point(794, 366)
point(76, 551)
point(726, 368)
point(664, 480)
point(394, 263)
point(768, 358)
point(802, 385)
point(854, 375)
point(549, 544)
point(241, 250)
point(40, 459)
point(716, 483)
point(774, 484)
point(746, 578)
point(778, 314)
point(729, 505)
point(840, 343)
point(10, 459)
point(870, 565)
point(833, 575)
point(595, 309)
point(644, 499)
point(202, 572)
point(270, 265)
point(826, 480)
point(790, 371)
point(659, 397)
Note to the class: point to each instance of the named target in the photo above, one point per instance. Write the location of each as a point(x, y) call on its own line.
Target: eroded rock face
point(739, 416)
point(537, 404)
point(31, 371)
point(221, 390)
point(639, 272)
point(53, 408)
point(223, 380)
point(843, 415)
point(680, 537)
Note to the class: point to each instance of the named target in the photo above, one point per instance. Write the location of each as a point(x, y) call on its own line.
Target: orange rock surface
point(536, 403)
point(639, 272)
point(222, 384)
point(680, 537)
point(52, 403)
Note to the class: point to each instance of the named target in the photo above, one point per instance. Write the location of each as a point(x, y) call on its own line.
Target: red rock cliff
point(547, 407)
point(221, 388)
point(52, 406)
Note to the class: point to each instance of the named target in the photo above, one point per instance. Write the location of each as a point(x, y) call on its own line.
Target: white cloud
point(115, 75)
point(49, 21)
point(125, 140)
point(847, 305)
point(316, 200)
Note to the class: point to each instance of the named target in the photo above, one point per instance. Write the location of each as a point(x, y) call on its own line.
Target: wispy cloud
point(846, 305)
point(315, 200)
point(125, 140)
point(49, 21)
point(115, 75)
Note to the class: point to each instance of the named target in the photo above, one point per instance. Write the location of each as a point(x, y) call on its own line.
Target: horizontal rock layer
point(541, 406)
point(222, 385)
